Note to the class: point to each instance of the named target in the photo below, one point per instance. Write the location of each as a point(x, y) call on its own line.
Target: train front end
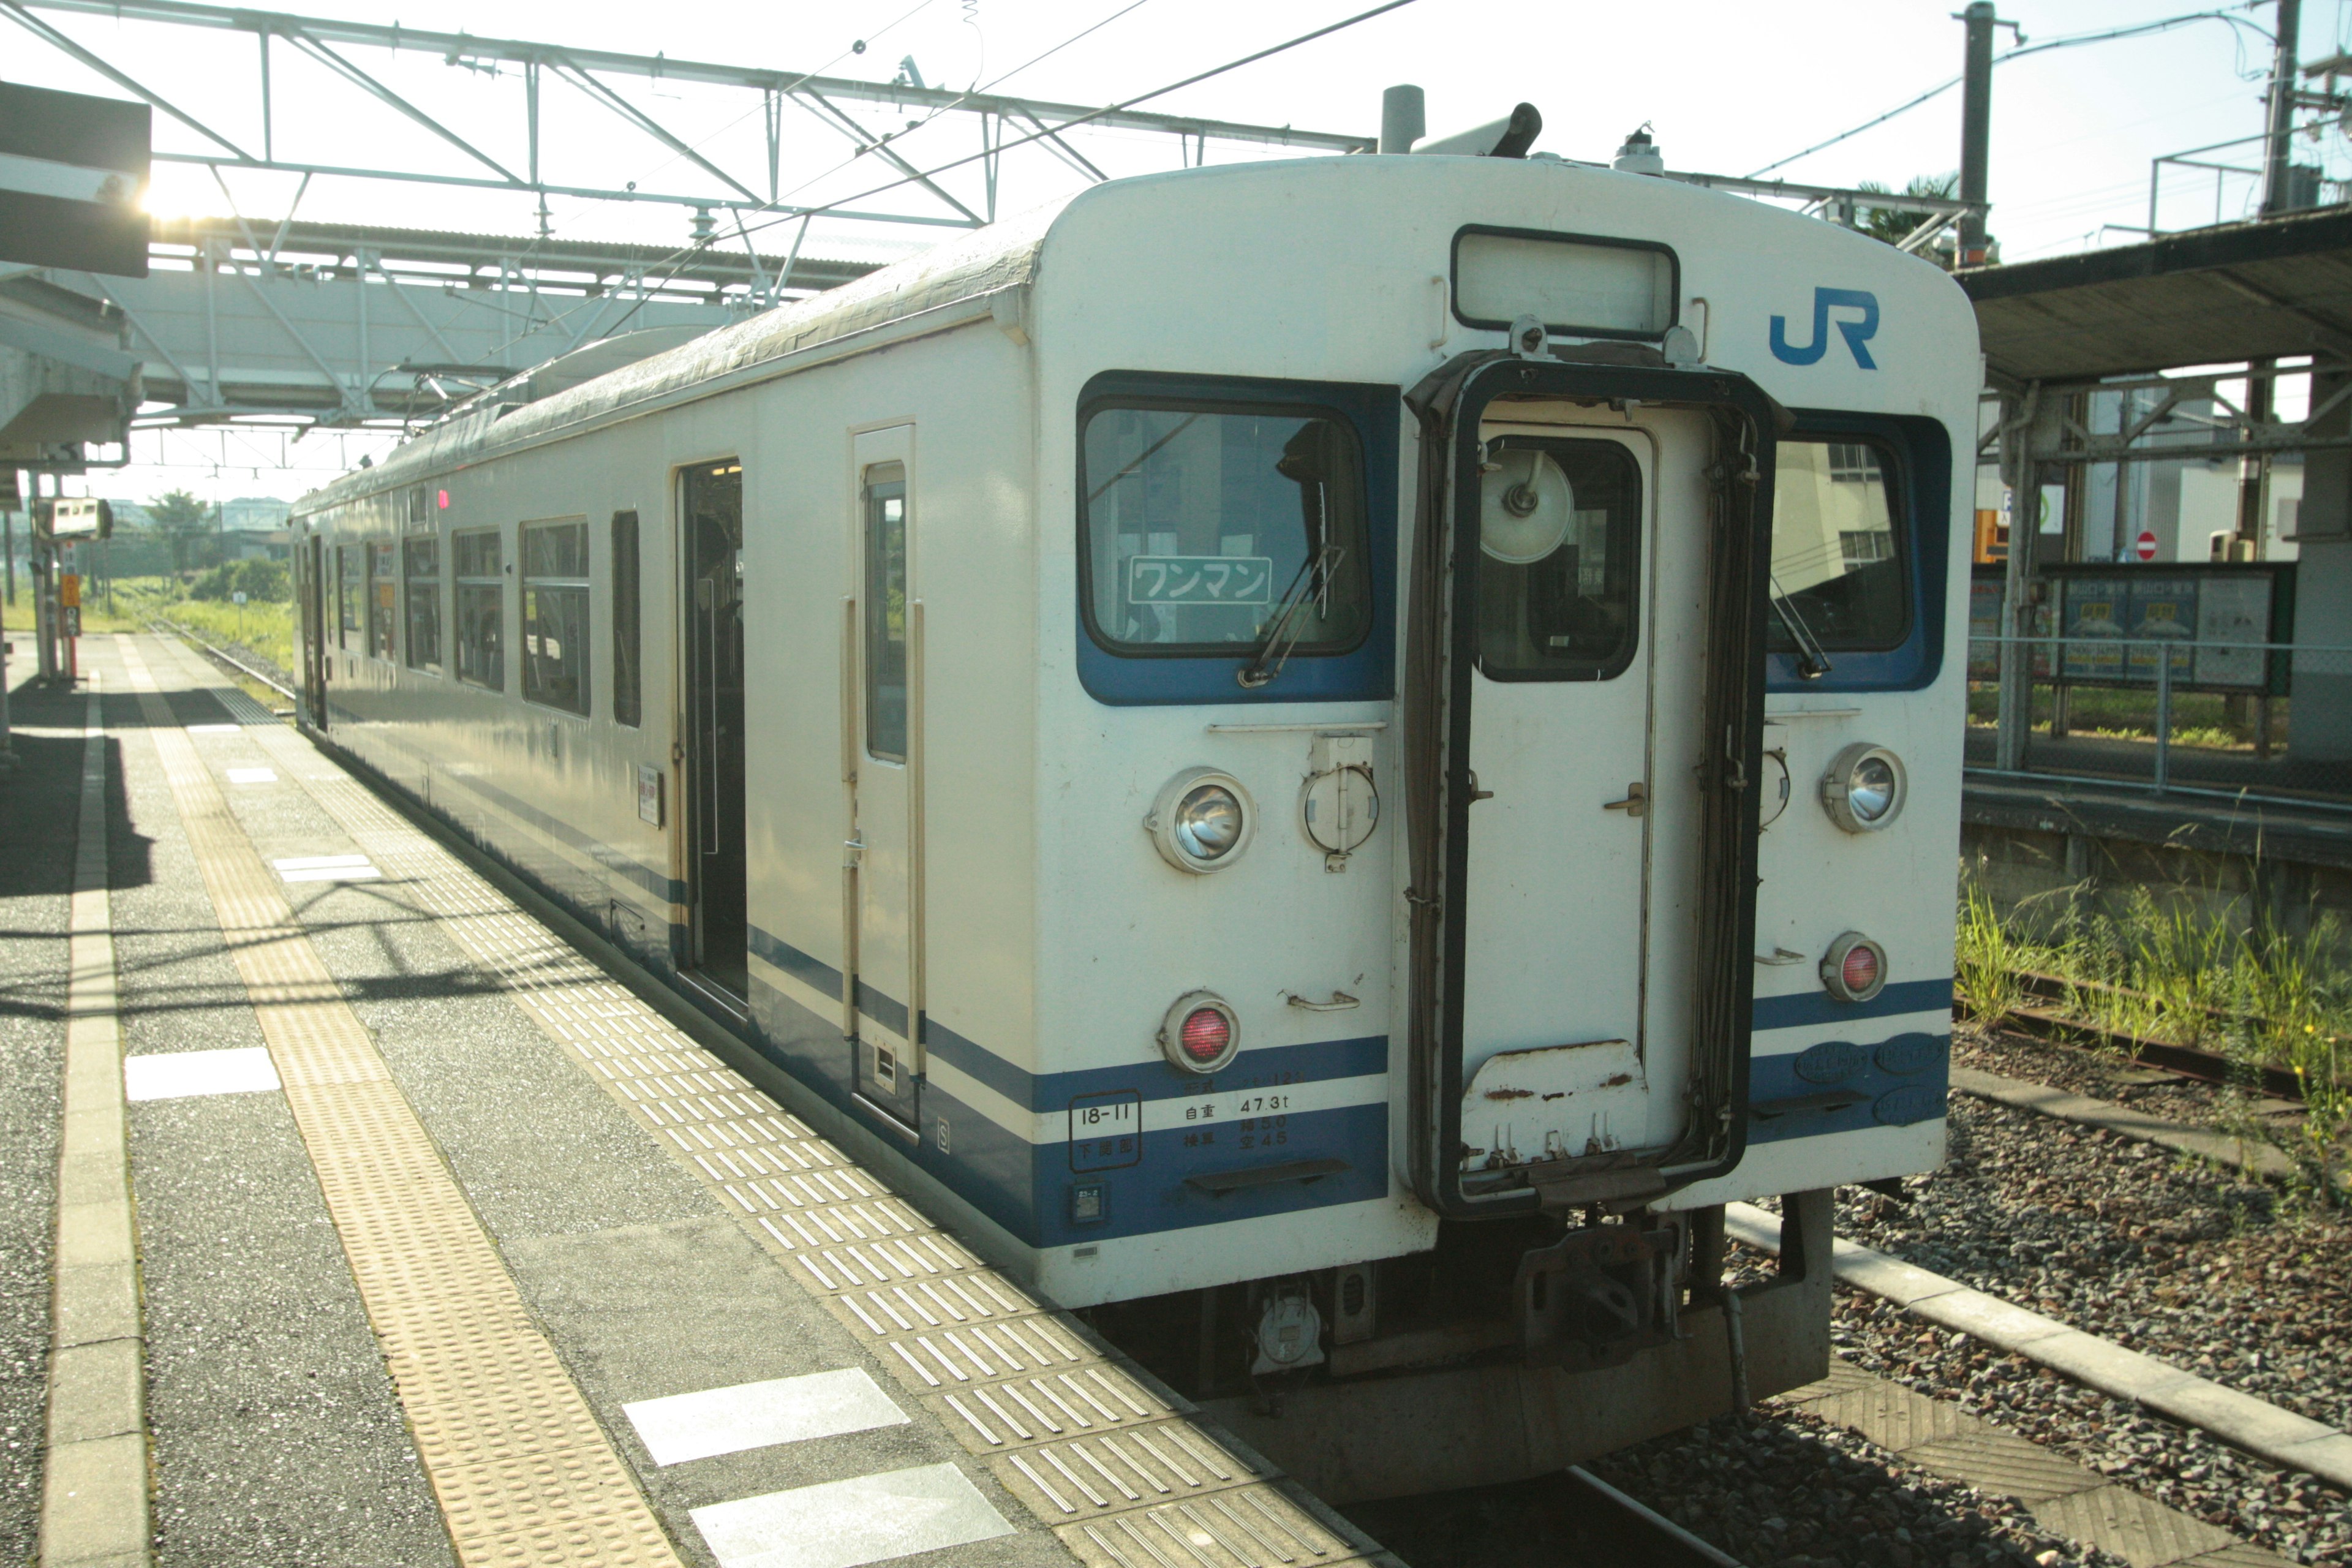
point(1499, 727)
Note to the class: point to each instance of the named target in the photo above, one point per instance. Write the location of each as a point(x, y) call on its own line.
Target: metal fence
point(2167, 716)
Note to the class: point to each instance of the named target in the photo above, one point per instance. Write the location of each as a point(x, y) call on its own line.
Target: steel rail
point(222, 656)
point(1645, 1536)
point(2189, 1061)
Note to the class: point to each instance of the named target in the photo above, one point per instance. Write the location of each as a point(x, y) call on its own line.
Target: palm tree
point(1894, 223)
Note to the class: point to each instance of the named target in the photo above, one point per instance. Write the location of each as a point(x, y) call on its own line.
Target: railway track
point(222, 657)
point(2049, 1023)
point(1632, 1532)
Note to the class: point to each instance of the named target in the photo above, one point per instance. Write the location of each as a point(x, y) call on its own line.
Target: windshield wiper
point(1312, 581)
point(1811, 662)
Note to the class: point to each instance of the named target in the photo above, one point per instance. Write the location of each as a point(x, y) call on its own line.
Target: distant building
point(255, 514)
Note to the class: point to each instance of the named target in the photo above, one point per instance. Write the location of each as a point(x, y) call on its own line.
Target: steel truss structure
point(592, 72)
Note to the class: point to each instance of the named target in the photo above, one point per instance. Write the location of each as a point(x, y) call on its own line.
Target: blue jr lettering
point(1856, 333)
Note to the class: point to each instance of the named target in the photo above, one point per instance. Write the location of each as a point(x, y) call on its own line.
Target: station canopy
point(2272, 288)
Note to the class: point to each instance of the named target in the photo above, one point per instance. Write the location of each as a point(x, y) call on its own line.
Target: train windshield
point(1203, 525)
point(1839, 549)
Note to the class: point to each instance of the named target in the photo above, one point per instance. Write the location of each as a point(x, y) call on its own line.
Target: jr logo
point(1856, 333)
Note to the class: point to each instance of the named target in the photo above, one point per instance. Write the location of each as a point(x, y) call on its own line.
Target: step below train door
point(1583, 629)
point(882, 736)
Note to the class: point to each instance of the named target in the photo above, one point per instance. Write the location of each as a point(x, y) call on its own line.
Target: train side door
point(310, 594)
point(718, 933)
point(883, 632)
point(1585, 645)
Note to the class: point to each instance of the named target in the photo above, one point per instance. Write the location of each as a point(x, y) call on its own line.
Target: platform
point(377, 1226)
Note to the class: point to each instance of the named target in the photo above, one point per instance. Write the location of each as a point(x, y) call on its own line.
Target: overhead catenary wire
point(679, 258)
point(2071, 41)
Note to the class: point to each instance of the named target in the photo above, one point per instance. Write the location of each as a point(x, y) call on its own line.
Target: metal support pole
point(2017, 583)
point(2163, 714)
point(2276, 154)
point(45, 610)
point(8, 553)
point(1976, 131)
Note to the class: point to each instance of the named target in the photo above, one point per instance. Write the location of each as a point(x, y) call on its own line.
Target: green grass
point(2171, 971)
point(2202, 719)
point(267, 629)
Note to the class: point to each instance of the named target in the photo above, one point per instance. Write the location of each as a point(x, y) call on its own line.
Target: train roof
point(987, 261)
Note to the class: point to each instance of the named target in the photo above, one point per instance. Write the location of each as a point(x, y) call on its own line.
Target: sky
point(1725, 89)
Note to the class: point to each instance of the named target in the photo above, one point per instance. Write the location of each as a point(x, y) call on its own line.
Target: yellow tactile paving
point(523, 1474)
point(937, 1316)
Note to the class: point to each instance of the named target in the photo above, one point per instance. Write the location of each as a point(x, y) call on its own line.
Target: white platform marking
point(841, 1524)
point(184, 1074)
point(326, 869)
point(214, 729)
point(685, 1426)
point(253, 775)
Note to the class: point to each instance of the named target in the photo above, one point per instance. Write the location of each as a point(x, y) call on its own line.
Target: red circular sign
point(2145, 548)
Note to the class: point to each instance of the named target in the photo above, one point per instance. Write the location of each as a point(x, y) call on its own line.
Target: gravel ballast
point(2236, 1281)
point(1780, 1488)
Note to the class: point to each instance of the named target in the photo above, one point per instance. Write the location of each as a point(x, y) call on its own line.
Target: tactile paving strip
point(522, 1472)
point(1023, 1385)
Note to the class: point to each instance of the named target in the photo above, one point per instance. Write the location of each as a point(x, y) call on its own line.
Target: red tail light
point(1860, 970)
point(1206, 1034)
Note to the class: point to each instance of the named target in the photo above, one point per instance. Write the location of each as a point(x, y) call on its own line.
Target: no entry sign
point(2144, 546)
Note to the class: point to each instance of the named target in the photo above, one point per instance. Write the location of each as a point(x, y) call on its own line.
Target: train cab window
point(421, 564)
point(1559, 569)
point(1838, 547)
point(351, 595)
point(481, 608)
point(885, 612)
point(1209, 529)
point(628, 686)
point(383, 585)
point(555, 615)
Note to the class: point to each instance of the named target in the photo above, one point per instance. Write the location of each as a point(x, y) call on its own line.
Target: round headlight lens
point(1870, 789)
point(1864, 789)
point(1202, 821)
point(1208, 822)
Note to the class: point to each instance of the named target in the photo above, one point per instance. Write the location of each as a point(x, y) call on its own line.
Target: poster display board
point(2119, 619)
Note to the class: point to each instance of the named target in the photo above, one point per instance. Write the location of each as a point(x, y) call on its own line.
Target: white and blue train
point(1328, 756)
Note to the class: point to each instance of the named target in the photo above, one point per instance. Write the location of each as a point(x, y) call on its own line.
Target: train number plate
point(1105, 1131)
point(1199, 580)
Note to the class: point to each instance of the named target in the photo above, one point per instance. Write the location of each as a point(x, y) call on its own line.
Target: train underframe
point(1514, 1347)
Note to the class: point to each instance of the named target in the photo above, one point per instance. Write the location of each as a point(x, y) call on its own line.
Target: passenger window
point(481, 608)
point(1559, 569)
point(885, 612)
point(1204, 527)
point(421, 559)
point(629, 699)
point(381, 587)
point(351, 573)
point(1838, 547)
point(555, 615)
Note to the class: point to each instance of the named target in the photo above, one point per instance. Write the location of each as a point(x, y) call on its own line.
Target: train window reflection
point(383, 607)
point(555, 615)
point(1560, 565)
point(1201, 526)
point(481, 608)
point(1838, 546)
point(423, 565)
point(351, 573)
point(885, 612)
point(628, 689)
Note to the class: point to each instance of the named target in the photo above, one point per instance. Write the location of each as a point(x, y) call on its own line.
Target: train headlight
point(1201, 1033)
point(1201, 821)
point(1855, 968)
point(1864, 788)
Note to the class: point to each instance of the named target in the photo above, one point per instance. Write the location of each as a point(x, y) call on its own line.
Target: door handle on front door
point(1636, 803)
